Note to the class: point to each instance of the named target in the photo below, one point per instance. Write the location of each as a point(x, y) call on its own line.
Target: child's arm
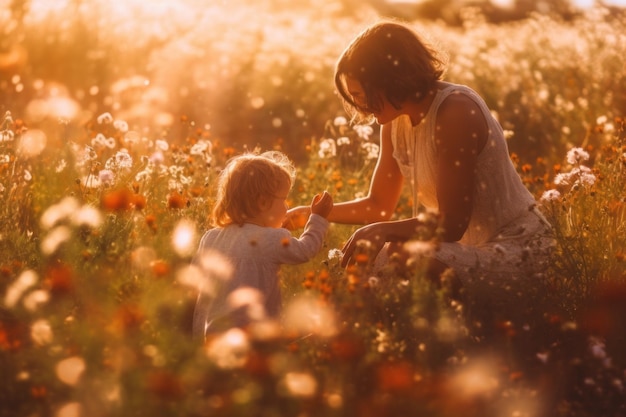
point(299, 250)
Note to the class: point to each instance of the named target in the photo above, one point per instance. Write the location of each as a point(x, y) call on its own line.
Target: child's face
point(276, 210)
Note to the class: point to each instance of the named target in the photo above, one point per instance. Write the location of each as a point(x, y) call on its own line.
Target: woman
point(443, 140)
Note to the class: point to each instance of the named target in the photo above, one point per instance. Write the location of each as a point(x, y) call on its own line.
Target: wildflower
point(328, 148)
point(54, 239)
point(61, 166)
point(395, 376)
point(162, 145)
point(59, 279)
point(335, 254)
point(299, 384)
point(69, 370)
point(87, 216)
point(58, 212)
point(106, 176)
point(14, 292)
point(156, 158)
point(230, 349)
point(32, 143)
point(7, 136)
point(363, 131)
point(175, 201)
point(201, 148)
point(121, 125)
point(371, 150)
point(306, 315)
point(27, 175)
point(123, 159)
point(577, 155)
point(550, 195)
point(105, 118)
point(251, 299)
point(160, 268)
point(41, 332)
point(340, 121)
point(116, 200)
point(344, 140)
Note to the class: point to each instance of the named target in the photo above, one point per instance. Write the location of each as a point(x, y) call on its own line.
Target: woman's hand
point(374, 233)
point(322, 204)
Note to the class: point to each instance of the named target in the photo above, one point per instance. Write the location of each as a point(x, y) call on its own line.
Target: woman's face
point(384, 115)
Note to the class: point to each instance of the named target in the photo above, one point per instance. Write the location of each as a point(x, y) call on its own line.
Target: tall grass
point(106, 182)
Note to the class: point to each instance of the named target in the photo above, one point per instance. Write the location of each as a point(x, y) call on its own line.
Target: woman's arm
point(382, 198)
point(461, 134)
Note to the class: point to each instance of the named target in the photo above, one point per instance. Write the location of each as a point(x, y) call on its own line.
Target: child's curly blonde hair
point(246, 181)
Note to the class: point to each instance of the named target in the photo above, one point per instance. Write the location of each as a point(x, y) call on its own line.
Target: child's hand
point(322, 204)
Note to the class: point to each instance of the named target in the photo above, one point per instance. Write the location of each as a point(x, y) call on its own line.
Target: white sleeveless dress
point(507, 238)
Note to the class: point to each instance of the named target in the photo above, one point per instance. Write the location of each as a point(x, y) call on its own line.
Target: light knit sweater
point(235, 257)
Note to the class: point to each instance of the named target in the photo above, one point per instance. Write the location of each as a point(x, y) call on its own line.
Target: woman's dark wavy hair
point(389, 60)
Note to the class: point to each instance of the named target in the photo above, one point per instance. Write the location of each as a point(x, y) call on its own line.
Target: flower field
point(115, 122)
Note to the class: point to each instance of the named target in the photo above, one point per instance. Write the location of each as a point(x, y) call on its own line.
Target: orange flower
point(324, 275)
point(395, 376)
point(229, 152)
point(196, 191)
point(117, 200)
point(59, 279)
point(138, 201)
point(160, 268)
point(175, 201)
point(361, 258)
point(151, 222)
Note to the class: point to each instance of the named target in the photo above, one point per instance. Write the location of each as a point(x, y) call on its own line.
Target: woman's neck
point(417, 109)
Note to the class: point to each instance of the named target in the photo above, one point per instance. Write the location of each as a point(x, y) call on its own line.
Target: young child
point(248, 243)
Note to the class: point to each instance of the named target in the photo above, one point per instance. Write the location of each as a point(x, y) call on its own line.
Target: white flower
point(7, 136)
point(105, 118)
point(121, 160)
point(344, 140)
point(61, 166)
point(162, 144)
point(121, 125)
point(201, 147)
point(328, 148)
point(335, 254)
point(372, 150)
point(106, 176)
point(550, 195)
point(87, 216)
point(156, 158)
point(576, 156)
point(340, 121)
point(364, 131)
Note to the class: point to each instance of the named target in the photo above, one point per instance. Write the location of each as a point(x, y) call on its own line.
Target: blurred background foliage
point(258, 72)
